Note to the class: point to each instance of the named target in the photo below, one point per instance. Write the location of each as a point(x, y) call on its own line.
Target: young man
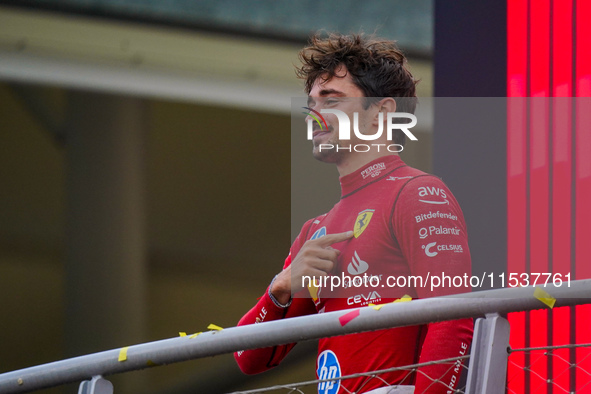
point(406, 223)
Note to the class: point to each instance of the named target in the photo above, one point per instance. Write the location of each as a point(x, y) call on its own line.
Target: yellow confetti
point(151, 363)
point(195, 335)
point(214, 327)
point(123, 354)
point(313, 290)
point(546, 298)
point(404, 298)
point(182, 334)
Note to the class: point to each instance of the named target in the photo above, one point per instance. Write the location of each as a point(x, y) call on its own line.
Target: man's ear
point(385, 106)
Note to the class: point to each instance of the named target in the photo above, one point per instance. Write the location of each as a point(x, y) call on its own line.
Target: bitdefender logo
point(345, 129)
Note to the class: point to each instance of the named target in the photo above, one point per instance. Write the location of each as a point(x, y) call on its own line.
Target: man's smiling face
point(339, 92)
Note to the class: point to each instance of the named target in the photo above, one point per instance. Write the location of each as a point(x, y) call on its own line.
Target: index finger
point(330, 239)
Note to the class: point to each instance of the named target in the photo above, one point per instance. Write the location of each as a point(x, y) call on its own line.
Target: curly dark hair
point(377, 66)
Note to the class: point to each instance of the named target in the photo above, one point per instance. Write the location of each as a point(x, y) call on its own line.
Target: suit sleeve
point(260, 360)
point(430, 228)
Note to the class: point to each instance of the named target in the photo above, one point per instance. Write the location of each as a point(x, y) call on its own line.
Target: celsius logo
point(357, 266)
point(441, 248)
point(433, 191)
point(321, 232)
point(328, 368)
point(428, 249)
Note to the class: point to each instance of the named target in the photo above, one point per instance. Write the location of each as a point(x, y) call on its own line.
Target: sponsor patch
point(395, 178)
point(362, 222)
point(357, 266)
point(364, 299)
point(428, 249)
point(321, 232)
point(432, 195)
point(435, 215)
point(432, 249)
point(328, 368)
point(373, 171)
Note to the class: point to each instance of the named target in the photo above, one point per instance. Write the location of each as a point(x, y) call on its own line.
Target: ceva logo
point(345, 128)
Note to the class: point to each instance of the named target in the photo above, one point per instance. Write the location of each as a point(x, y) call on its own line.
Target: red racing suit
point(406, 224)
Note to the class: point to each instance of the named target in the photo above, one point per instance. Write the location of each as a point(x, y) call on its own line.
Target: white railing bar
point(272, 333)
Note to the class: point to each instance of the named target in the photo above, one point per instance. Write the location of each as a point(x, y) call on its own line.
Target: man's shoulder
point(407, 175)
point(411, 184)
point(310, 223)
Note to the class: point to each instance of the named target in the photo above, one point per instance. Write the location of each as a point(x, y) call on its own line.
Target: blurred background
point(146, 181)
point(145, 170)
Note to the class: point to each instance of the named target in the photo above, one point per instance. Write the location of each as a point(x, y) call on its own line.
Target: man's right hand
point(316, 258)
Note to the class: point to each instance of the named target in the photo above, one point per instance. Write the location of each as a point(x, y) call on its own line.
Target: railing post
point(487, 373)
point(97, 385)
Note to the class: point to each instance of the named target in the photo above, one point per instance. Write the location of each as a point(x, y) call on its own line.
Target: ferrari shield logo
point(362, 222)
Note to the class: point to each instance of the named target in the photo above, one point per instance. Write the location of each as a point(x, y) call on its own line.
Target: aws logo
point(433, 195)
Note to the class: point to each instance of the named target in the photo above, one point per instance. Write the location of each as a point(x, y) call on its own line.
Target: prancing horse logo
point(362, 221)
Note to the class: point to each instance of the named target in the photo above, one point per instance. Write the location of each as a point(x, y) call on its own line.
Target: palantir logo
point(328, 368)
point(423, 233)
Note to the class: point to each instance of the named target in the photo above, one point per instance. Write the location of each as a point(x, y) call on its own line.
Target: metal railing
point(483, 375)
point(563, 367)
point(410, 369)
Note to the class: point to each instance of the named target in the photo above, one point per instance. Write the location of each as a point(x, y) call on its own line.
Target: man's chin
point(325, 154)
